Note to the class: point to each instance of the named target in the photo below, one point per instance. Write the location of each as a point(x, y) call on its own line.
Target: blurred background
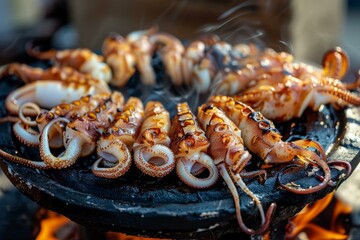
point(305, 28)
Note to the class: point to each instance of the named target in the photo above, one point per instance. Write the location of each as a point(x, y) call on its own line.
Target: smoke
point(238, 24)
point(163, 91)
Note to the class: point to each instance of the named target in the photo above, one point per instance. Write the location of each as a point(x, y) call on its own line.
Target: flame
point(122, 236)
point(311, 223)
point(52, 224)
point(305, 226)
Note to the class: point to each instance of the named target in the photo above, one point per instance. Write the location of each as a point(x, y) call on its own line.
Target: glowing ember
point(324, 219)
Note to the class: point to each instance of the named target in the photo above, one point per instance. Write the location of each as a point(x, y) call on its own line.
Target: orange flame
point(122, 236)
point(304, 222)
point(52, 223)
point(50, 226)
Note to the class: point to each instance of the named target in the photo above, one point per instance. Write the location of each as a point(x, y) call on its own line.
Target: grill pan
point(141, 205)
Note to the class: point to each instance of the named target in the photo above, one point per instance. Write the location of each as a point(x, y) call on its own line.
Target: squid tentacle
point(22, 128)
point(26, 120)
point(265, 219)
point(184, 171)
point(156, 161)
point(114, 151)
point(309, 156)
point(324, 180)
point(152, 154)
point(335, 63)
point(310, 143)
point(116, 142)
point(23, 161)
point(8, 119)
point(69, 157)
point(229, 155)
point(337, 93)
point(26, 135)
point(190, 145)
point(265, 141)
point(345, 164)
point(338, 163)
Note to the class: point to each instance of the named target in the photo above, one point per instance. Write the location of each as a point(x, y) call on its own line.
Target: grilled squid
point(268, 62)
point(208, 67)
point(30, 74)
point(143, 51)
point(335, 63)
point(27, 100)
point(49, 93)
point(80, 135)
point(264, 140)
point(285, 96)
point(83, 60)
point(171, 51)
point(203, 74)
point(190, 145)
point(193, 54)
point(29, 132)
point(115, 144)
point(24, 129)
point(152, 154)
point(230, 157)
point(289, 99)
point(119, 56)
